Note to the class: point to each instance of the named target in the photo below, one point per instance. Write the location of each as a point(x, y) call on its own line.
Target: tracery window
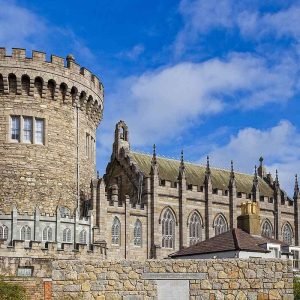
point(67, 235)
point(25, 233)
point(220, 225)
point(82, 237)
point(168, 229)
point(137, 233)
point(116, 232)
point(287, 234)
point(47, 234)
point(3, 232)
point(267, 229)
point(195, 229)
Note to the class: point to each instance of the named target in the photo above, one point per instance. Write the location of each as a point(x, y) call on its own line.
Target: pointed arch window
point(287, 234)
point(137, 233)
point(267, 229)
point(67, 235)
point(25, 233)
point(47, 234)
point(195, 229)
point(116, 232)
point(3, 232)
point(168, 229)
point(82, 236)
point(220, 225)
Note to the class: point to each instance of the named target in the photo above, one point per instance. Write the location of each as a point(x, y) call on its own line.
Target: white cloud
point(279, 145)
point(133, 53)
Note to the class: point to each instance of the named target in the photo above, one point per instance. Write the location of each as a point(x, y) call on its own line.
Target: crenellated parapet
point(56, 80)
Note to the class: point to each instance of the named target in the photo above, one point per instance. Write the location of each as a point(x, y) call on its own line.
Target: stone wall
point(188, 279)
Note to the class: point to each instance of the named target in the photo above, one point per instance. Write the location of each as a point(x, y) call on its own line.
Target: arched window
point(82, 237)
point(220, 225)
point(67, 235)
point(1, 84)
point(63, 89)
point(25, 83)
point(116, 232)
point(195, 229)
point(51, 88)
point(38, 86)
point(74, 93)
point(3, 232)
point(12, 83)
point(47, 234)
point(266, 229)
point(25, 233)
point(137, 233)
point(287, 234)
point(168, 229)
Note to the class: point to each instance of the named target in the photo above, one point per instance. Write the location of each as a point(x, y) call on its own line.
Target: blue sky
point(214, 77)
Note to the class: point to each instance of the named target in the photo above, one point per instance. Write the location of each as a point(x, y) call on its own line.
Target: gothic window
point(25, 83)
point(137, 233)
point(116, 232)
point(220, 225)
point(267, 229)
point(67, 235)
point(12, 83)
point(287, 234)
point(82, 237)
point(25, 233)
point(3, 232)
point(47, 234)
point(168, 229)
point(195, 229)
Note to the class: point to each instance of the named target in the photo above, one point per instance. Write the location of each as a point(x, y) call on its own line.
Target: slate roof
point(195, 174)
point(232, 240)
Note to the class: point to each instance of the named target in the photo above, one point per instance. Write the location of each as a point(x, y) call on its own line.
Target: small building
point(243, 242)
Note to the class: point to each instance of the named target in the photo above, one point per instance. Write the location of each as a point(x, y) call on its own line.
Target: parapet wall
point(158, 279)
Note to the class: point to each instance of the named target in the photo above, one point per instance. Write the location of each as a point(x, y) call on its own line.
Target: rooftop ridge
point(189, 162)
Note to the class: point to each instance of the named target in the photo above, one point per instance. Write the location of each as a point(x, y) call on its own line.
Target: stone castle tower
point(47, 110)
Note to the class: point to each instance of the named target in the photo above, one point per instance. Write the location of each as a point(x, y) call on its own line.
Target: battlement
point(58, 79)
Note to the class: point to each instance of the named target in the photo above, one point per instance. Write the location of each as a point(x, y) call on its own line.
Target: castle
point(145, 206)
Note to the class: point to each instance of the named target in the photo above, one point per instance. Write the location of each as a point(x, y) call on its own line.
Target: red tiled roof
point(232, 240)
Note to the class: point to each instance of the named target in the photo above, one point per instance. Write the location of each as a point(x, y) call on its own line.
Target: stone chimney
point(249, 220)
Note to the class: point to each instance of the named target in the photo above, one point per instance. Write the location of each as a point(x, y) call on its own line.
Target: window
point(137, 234)
point(287, 234)
point(22, 128)
point(87, 145)
point(267, 230)
point(39, 131)
point(27, 137)
point(47, 234)
point(3, 232)
point(275, 252)
point(195, 229)
point(116, 232)
point(67, 236)
point(15, 128)
point(296, 259)
point(168, 228)
point(25, 233)
point(82, 237)
point(220, 225)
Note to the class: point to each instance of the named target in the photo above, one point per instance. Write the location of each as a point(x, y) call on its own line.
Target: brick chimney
point(249, 220)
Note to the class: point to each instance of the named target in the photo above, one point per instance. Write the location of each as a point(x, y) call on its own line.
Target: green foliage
point(296, 288)
point(11, 291)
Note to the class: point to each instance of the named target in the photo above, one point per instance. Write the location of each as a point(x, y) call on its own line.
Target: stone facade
point(143, 187)
point(153, 279)
point(69, 100)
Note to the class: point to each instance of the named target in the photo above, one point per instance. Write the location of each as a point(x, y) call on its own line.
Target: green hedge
point(11, 291)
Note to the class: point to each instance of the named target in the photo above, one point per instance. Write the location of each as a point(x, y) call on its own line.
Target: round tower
point(49, 112)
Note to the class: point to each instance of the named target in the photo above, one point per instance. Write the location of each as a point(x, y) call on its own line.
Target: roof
point(232, 240)
point(195, 174)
